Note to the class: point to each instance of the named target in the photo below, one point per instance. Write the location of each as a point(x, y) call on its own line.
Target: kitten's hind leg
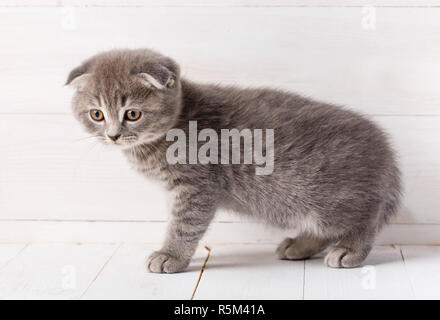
point(351, 250)
point(302, 247)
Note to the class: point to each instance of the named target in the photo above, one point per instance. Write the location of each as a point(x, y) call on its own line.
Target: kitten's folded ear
point(158, 75)
point(78, 77)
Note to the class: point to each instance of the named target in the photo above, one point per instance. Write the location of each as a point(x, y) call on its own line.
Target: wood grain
point(135, 282)
point(422, 266)
point(153, 232)
point(250, 272)
point(382, 276)
point(53, 271)
point(324, 53)
point(47, 173)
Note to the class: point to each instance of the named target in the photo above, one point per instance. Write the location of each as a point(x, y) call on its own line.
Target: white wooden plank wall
point(50, 175)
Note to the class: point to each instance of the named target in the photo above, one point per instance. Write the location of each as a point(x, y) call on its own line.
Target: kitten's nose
point(115, 137)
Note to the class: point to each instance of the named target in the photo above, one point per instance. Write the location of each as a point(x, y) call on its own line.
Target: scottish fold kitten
point(333, 175)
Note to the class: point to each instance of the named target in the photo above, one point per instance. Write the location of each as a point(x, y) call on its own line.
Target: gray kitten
point(335, 178)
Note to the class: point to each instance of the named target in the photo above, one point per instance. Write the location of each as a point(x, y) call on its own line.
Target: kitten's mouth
point(121, 142)
point(130, 141)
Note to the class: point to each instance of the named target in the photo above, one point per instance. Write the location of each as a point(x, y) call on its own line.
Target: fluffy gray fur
point(335, 177)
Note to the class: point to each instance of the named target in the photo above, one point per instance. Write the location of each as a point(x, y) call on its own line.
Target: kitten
point(334, 178)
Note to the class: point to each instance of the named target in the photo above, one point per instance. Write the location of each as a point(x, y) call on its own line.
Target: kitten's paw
point(343, 258)
point(291, 249)
point(299, 248)
point(162, 262)
point(282, 248)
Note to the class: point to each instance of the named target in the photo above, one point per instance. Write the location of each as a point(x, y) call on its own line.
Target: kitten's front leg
point(191, 216)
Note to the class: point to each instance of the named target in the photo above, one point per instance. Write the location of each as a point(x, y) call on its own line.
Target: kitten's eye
point(132, 115)
point(96, 115)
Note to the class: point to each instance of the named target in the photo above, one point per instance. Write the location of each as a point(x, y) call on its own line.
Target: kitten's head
point(126, 97)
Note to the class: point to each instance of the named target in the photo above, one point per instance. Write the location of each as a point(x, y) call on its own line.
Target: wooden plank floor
point(247, 271)
point(382, 276)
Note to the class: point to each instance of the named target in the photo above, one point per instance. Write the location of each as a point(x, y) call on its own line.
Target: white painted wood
point(81, 231)
point(48, 167)
point(126, 277)
point(423, 267)
point(233, 3)
point(8, 251)
point(61, 178)
point(130, 232)
point(321, 52)
point(47, 175)
point(154, 232)
point(383, 276)
point(53, 271)
point(417, 142)
point(250, 272)
point(417, 234)
point(108, 271)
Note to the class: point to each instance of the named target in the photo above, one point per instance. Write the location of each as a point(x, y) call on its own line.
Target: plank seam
point(100, 270)
point(406, 271)
point(61, 5)
point(165, 221)
point(15, 256)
